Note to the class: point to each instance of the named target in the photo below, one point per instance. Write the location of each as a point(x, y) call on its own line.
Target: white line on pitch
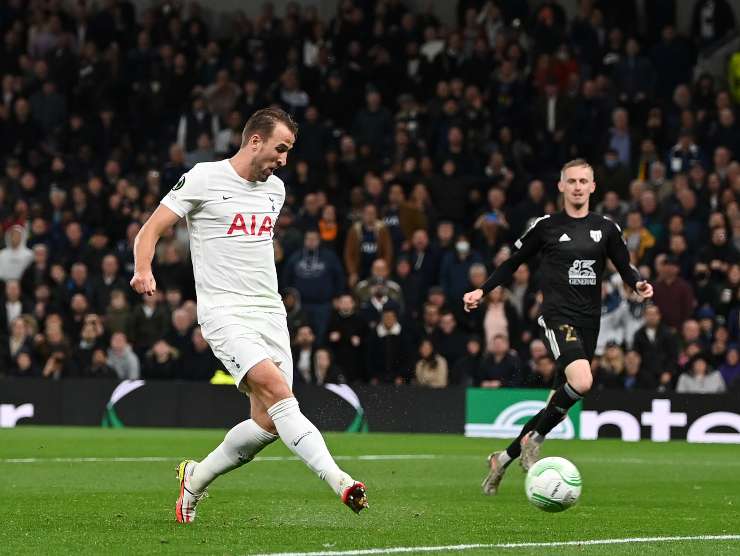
point(462, 547)
point(373, 457)
point(368, 457)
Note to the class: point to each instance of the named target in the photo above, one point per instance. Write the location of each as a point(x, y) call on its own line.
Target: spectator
point(633, 78)
point(638, 238)
point(613, 175)
point(324, 369)
point(222, 95)
point(37, 272)
point(544, 373)
point(613, 308)
point(658, 348)
point(500, 318)
point(533, 206)
point(611, 368)
point(388, 350)
point(162, 362)
point(118, 313)
point(24, 365)
point(700, 378)
point(15, 257)
point(109, 280)
point(373, 125)
point(712, 20)
point(347, 334)
point(99, 366)
point(14, 305)
point(450, 341)
point(521, 294)
point(55, 350)
point(683, 154)
point(149, 322)
point(673, 296)
point(332, 234)
point(671, 59)
point(621, 139)
point(431, 367)
point(366, 240)
point(122, 358)
point(89, 343)
point(633, 316)
point(198, 363)
point(456, 266)
point(178, 336)
point(501, 366)
point(633, 376)
point(552, 118)
point(465, 370)
point(203, 151)
point(19, 340)
point(379, 273)
point(317, 275)
point(296, 316)
point(194, 123)
point(730, 368)
point(424, 265)
point(303, 354)
point(719, 254)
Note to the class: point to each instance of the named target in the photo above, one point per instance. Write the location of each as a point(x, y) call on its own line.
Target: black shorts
point(567, 343)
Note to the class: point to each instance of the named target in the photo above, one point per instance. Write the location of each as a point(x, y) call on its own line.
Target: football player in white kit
point(231, 207)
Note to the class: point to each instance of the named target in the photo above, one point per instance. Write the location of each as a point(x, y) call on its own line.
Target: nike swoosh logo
point(226, 198)
point(297, 440)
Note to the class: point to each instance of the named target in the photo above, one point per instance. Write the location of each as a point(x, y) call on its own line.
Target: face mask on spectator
point(463, 247)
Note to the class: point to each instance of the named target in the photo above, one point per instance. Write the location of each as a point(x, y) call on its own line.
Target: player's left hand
point(644, 289)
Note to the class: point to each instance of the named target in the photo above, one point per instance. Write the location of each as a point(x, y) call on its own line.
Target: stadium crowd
point(424, 151)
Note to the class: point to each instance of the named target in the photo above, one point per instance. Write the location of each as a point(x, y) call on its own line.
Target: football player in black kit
point(575, 245)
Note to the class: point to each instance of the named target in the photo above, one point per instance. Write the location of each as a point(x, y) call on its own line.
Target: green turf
point(630, 490)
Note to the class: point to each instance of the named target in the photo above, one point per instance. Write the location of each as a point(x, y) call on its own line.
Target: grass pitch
point(103, 491)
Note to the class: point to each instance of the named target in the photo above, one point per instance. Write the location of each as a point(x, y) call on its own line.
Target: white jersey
point(230, 222)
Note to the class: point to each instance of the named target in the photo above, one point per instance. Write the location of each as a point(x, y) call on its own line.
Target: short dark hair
point(263, 123)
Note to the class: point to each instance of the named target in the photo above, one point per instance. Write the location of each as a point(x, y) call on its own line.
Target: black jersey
point(574, 253)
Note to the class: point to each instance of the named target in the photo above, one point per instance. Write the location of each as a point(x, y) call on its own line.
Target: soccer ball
point(553, 484)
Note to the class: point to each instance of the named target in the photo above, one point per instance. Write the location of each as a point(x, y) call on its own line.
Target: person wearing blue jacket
point(317, 274)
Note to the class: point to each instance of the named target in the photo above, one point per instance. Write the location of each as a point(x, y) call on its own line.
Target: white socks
point(246, 439)
point(504, 458)
point(240, 445)
point(306, 442)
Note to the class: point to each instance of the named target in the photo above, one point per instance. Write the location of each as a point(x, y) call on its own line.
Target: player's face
point(272, 152)
point(576, 185)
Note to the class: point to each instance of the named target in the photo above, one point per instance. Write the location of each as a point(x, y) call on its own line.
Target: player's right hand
point(143, 282)
point(471, 300)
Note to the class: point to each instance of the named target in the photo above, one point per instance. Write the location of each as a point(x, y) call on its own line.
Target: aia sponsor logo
point(250, 226)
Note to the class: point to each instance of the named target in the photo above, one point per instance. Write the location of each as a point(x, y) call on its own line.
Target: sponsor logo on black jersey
point(581, 273)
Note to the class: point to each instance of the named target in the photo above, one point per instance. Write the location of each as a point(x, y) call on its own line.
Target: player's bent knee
point(579, 376)
point(267, 384)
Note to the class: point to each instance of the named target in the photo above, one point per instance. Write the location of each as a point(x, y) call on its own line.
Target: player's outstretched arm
point(161, 219)
point(525, 247)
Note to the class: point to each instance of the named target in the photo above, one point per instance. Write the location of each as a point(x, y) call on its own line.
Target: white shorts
point(242, 341)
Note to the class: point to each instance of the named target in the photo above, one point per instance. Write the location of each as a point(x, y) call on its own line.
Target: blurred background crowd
point(425, 149)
